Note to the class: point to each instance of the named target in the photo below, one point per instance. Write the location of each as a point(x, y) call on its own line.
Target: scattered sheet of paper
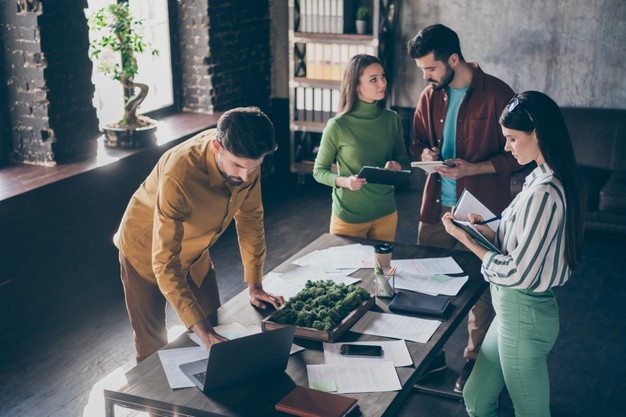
point(421, 275)
point(302, 274)
point(273, 283)
point(396, 326)
point(469, 204)
point(430, 266)
point(338, 259)
point(171, 359)
point(356, 377)
point(428, 284)
point(393, 350)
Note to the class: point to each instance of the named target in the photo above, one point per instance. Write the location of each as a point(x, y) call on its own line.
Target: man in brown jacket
point(196, 189)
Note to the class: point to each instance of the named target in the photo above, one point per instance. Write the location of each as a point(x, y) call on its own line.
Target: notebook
point(241, 360)
point(307, 402)
point(377, 175)
point(418, 303)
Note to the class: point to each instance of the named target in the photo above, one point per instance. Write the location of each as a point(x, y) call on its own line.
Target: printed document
point(396, 326)
point(393, 350)
point(355, 377)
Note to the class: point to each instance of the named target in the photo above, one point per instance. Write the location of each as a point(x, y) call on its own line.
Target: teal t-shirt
point(368, 135)
point(448, 147)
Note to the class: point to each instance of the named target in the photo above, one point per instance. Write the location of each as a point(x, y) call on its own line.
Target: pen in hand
point(493, 219)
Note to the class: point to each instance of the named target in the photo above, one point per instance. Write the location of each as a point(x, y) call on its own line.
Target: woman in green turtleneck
point(362, 133)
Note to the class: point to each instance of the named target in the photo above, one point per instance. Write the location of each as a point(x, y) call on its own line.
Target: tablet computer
point(377, 175)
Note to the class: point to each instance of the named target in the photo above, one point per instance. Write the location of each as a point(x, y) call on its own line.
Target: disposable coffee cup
point(382, 255)
point(384, 278)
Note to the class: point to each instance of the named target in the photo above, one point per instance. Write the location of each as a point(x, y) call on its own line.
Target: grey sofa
point(599, 140)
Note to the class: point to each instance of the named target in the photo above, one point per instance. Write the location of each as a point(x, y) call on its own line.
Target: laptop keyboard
point(200, 377)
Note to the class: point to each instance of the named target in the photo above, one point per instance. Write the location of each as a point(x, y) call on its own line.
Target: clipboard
point(377, 175)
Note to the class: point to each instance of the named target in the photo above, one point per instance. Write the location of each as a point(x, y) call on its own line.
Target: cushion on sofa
point(594, 179)
point(613, 194)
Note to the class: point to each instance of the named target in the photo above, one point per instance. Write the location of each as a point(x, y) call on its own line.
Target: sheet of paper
point(395, 351)
point(428, 284)
point(171, 359)
point(356, 377)
point(305, 273)
point(273, 283)
point(235, 330)
point(429, 266)
point(396, 326)
point(338, 259)
point(469, 204)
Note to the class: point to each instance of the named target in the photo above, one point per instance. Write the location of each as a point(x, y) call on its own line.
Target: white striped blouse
point(531, 236)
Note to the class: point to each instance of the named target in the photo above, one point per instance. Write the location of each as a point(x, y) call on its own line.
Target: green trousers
point(514, 354)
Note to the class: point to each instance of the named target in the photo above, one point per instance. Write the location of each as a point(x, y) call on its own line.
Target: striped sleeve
point(533, 243)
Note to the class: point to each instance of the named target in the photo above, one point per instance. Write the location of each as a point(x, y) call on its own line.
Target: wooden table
point(147, 387)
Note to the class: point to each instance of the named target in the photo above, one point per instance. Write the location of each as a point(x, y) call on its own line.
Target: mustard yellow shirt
point(179, 212)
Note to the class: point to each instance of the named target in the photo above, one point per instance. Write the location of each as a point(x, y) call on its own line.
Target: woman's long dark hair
point(348, 94)
point(534, 110)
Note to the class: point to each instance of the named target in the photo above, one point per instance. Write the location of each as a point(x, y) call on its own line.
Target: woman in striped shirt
point(540, 238)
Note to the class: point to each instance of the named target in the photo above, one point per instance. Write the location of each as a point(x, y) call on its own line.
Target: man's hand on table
point(207, 334)
point(259, 298)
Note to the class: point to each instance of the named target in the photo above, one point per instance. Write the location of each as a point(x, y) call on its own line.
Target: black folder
point(377, 175)
point(418, 303)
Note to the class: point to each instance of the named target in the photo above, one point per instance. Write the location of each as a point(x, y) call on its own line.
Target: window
point(155, 71)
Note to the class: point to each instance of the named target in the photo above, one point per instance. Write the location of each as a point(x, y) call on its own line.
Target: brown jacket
point(479, 138)
point(179, 212)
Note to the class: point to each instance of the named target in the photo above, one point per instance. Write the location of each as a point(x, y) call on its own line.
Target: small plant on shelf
point(362, 19)
point(363, 13)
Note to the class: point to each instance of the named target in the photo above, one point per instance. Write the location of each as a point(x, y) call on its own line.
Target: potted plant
point(362, 19)
point(116, 30)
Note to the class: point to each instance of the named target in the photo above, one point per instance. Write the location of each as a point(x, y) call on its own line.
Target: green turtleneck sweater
point(368, 135)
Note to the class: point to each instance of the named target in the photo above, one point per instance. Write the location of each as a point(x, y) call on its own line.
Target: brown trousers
point(146, 307)
point(482, 313)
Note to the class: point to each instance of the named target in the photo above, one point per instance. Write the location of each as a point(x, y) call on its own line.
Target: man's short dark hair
point(439, 39)
point(246, 132)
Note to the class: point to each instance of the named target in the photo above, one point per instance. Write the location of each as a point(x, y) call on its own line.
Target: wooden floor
point(54, 363)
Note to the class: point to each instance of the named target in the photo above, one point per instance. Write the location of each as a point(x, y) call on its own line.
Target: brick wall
point(197, 92)
point(48, 78)
point(239, 62)
point(223, 57)
point(225, 54)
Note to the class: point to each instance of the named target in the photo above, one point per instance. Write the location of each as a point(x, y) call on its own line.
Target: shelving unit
point(322, 39)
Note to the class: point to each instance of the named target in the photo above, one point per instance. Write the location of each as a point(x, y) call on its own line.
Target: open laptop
point(242, 359)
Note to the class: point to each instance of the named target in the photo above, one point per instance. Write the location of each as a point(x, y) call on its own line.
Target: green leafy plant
point(363, 13)
point(116, 30)
point(321, 305)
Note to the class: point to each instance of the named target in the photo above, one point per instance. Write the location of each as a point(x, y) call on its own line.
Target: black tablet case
point(418, 303)
point(377, 175)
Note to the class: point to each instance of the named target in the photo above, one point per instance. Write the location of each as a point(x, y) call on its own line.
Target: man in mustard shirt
point(193, 193)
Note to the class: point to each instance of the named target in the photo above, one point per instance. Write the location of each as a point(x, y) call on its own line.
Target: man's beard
point(446, 79)
point(232, 180)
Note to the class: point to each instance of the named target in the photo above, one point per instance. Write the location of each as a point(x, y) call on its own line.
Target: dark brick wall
point(239, 63)
point(72, 116)
point(197, 92)
point(222, 52)
point(48, 79)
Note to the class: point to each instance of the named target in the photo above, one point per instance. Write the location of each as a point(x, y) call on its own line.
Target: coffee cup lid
point(383, 248)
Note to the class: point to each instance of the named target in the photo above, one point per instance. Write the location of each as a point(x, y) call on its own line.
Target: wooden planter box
point(330, 336)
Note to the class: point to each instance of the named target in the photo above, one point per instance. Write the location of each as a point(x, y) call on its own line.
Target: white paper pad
point(396, 326)
point(171, 359)
point(393, 350)
point(356, 377)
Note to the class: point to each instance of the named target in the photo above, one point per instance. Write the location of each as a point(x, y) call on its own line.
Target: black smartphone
point(361, 350)
point(449, 164)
